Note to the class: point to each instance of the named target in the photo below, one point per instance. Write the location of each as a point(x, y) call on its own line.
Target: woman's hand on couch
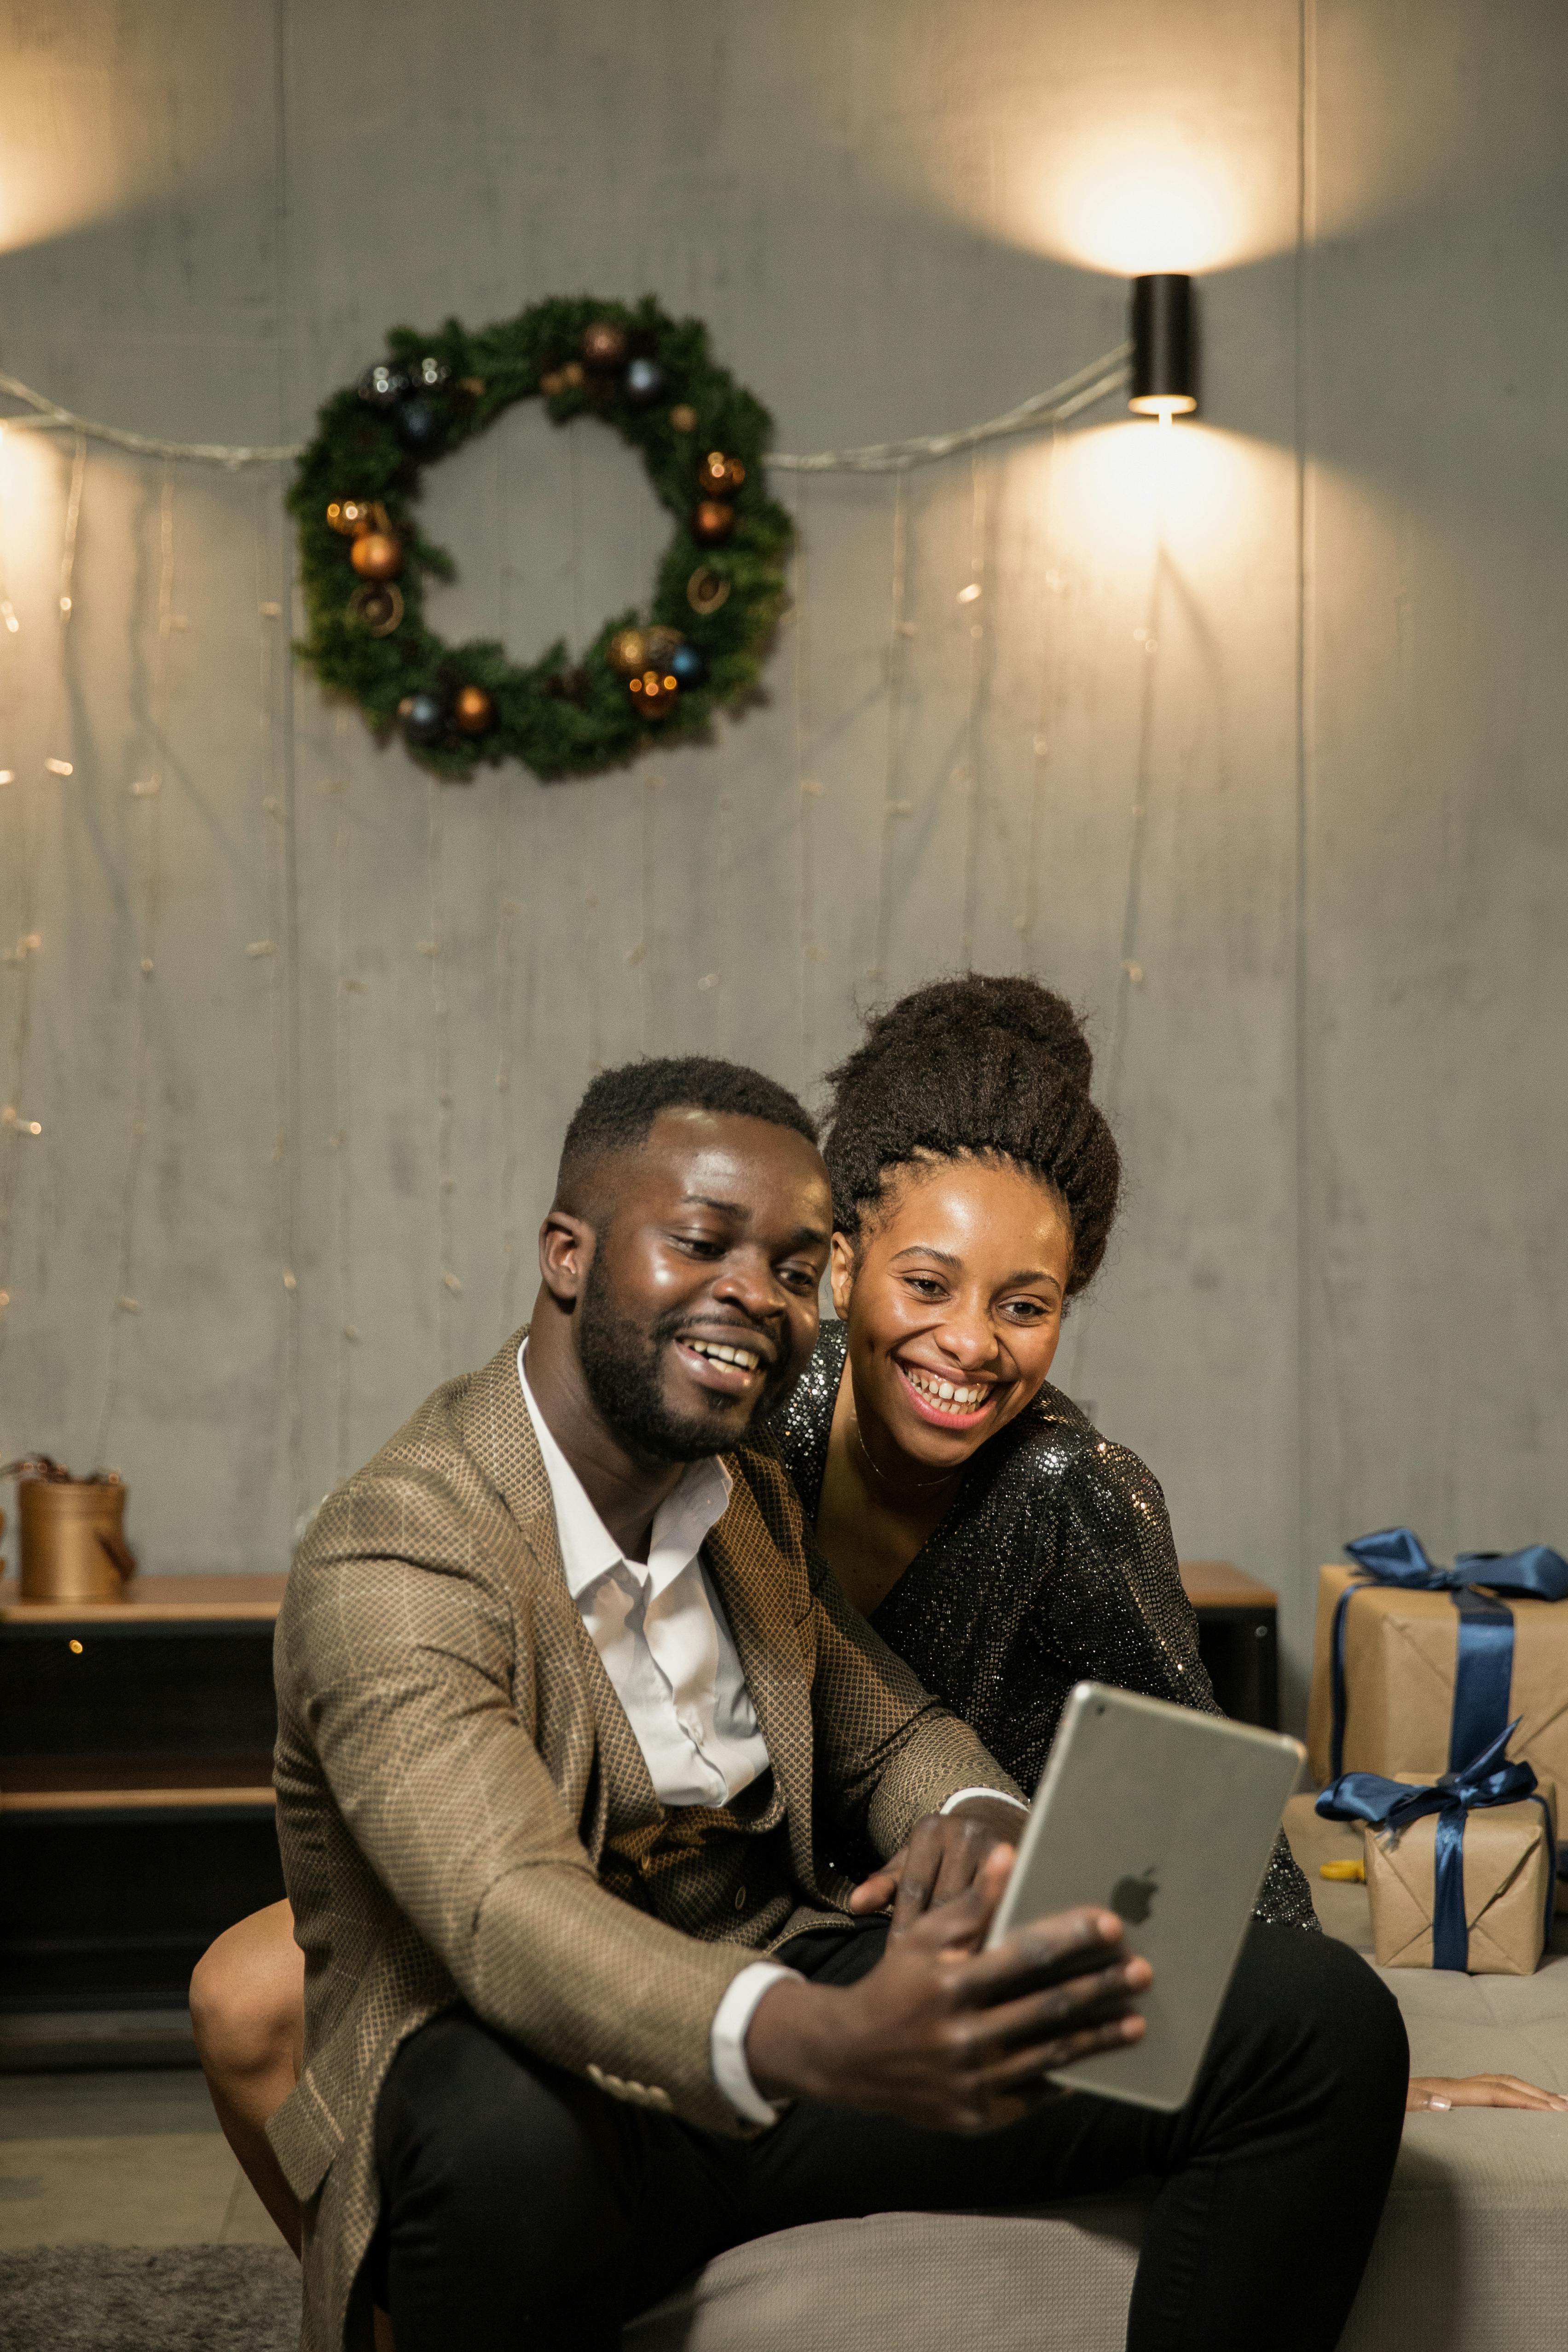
point(1430, 2092)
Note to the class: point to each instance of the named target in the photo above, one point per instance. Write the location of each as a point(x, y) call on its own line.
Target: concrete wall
point(1253, 745)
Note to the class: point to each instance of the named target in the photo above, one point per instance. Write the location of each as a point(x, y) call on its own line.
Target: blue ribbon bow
point(1489, 1778)
point(1483, 1672)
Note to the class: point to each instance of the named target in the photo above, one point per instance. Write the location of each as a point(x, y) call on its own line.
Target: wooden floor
point(123, 2160)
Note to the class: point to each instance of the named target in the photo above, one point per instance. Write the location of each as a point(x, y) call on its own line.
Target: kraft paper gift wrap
point(1510, 1861)
point(1400, 1654)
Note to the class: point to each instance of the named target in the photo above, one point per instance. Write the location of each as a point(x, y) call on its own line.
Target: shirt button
point(740, 1898)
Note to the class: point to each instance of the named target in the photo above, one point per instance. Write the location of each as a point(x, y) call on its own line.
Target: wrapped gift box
point(1511, 1866)
point(1400, 1653)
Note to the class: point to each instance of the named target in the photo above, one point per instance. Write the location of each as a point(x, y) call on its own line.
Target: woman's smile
point(948, 1403)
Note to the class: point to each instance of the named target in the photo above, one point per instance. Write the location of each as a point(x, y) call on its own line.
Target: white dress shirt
point(660, 1629)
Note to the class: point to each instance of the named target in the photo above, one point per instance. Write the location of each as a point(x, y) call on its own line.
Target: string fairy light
point(434, 947)
point(338, 787)
point(150, 824)
point(1052, 585)
point(1129, 971)
point(899, 631)
point(808, 788)
point(507, 910)
point(16, 1129)
point(1076, 393)
point(275, 717)
point(973, 598)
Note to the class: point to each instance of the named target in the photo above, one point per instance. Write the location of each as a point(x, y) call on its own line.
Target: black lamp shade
point(1164, 378)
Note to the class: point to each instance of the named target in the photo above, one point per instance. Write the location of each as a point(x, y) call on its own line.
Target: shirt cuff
point(727, 2041)
point(963, 1796)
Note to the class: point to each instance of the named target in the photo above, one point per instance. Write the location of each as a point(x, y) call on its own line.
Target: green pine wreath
point(427, 401)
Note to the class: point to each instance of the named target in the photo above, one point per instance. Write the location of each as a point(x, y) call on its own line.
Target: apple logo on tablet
point(1133, 1898)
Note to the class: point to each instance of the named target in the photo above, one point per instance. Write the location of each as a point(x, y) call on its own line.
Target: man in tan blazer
point(566, 1702)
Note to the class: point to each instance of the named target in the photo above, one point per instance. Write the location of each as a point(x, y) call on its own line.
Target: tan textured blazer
point(454, 1771)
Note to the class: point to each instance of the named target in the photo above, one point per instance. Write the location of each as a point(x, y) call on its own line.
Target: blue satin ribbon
point(1483, 1671)
point(1489, 1778)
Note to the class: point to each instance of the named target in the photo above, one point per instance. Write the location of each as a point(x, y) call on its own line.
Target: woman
point(966, 1507)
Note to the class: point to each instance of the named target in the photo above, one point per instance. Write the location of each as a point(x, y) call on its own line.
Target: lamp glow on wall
point(1165, 375)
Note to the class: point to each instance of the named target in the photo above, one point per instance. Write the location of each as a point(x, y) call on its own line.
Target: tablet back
point(1167, 1817)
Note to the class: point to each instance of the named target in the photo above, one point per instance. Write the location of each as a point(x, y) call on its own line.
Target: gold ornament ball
point(661, 643)
point(629, 651)
point(376, 556)
point(684, 419)
point(552, 381)
point(656, 692)
point(603, 346)
point(472, 710)
point(571, 375)
point(720, 476)
point(713, 522)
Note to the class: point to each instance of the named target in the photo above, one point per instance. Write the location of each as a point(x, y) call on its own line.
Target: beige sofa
point(1472, 2255)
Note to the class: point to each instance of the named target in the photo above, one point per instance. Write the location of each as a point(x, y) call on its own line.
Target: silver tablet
point(1168, 1818)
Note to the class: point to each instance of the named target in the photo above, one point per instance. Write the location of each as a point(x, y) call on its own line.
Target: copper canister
point(73, 1542)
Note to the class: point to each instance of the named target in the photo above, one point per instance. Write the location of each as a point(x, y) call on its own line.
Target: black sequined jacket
point(1055, 1565)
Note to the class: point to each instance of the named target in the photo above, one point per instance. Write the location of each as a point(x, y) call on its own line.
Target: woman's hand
point(1430, 2092)
point(944, 1855)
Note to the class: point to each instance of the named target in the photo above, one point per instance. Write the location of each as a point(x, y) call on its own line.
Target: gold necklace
point(920, 1484)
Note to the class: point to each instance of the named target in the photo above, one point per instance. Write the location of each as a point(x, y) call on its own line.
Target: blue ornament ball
point(417, 426)
point(687, 667)
point(423, 718)
point(383, 385)
point(644, 382)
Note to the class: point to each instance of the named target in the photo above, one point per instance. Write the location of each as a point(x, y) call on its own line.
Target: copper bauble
point(603, 346)
point(377, 556)
point(472, 710)
point(661, 643)
point(629, 651)
point(684, 417)
point(713, 522)
point(552, 381)
point(720, 476)
point(655, 691)
point(571, 375)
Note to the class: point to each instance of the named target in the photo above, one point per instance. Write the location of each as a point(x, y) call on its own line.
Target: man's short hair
point(619, 1110)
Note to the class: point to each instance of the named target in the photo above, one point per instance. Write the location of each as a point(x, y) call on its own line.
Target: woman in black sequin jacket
point(973, 1514)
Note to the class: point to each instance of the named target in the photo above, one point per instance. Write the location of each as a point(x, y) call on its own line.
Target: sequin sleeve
point(1115, 1611)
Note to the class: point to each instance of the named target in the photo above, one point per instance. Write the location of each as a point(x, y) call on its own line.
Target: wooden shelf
point(76, 1784)
point(155, 1600)
point(1215, 1584)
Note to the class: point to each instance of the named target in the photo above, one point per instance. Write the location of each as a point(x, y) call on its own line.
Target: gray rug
point(126, 2299)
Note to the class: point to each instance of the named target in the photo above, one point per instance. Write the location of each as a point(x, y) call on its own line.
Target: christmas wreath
point(363, 560)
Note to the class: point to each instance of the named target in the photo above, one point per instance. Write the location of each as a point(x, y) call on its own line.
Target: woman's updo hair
point(981, 1068)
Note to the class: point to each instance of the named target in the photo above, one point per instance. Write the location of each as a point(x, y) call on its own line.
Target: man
point(562, 1694)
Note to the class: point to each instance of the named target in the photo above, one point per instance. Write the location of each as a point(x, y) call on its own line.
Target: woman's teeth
point(744, 1357)
point(945, 1395)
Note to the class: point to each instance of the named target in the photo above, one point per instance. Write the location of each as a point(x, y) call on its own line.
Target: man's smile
point(732, 1366)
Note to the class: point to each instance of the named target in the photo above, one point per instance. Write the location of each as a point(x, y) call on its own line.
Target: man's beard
point(620, 1362)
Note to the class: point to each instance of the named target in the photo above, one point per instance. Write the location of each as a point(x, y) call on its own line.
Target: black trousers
point(526, 2211)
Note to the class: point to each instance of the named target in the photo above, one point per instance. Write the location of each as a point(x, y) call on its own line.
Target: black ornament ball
point(644, 382)
point(687, 667)
point(383, 385)
point(423, 718)
point(417, 426)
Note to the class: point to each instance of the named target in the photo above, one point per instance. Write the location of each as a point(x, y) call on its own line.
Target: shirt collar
point(588, 1551)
